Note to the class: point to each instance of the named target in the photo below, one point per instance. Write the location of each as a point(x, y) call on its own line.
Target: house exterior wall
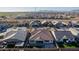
point(43, 44)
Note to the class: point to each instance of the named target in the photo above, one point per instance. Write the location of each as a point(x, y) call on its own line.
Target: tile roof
point(20, 35)
point(61, 34)
point(41, 35)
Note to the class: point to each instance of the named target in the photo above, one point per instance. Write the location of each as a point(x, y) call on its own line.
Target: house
point(44, 23)
point(41, 38)
point(3, 27)
point(72, 24)
point(47, 24)
point(63, 36)
point(15, 37)
point(76, 25)
point(35, 23)
point(60, 25)
point(75, 32)
point(50, 24)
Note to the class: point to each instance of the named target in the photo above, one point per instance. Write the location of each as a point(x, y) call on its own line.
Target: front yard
point(69, 46)
point(66, 45)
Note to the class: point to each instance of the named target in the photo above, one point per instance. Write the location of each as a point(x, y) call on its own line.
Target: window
point(32, 41)
point(51, 41)
point(46, 40)
point(39, 42)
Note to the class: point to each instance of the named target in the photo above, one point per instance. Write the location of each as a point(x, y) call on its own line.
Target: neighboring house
point(35, 23)
point(63, 36)
point(72, 24)
point(3, 27)
point(75, 32)
point(60, 25)
point(41, 38)
point(44, 23)
point(50, 24)
point(16, 37)
point(76, 25)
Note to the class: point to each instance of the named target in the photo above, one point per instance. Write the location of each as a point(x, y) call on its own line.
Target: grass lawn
point(69, 46)
point(10, 13)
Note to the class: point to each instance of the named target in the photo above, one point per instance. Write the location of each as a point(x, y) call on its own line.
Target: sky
point(23, 9)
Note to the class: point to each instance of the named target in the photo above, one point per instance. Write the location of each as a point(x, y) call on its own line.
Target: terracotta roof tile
point(41, 35)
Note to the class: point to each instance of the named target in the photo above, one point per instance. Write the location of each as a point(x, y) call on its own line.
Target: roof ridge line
point(35, 34)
